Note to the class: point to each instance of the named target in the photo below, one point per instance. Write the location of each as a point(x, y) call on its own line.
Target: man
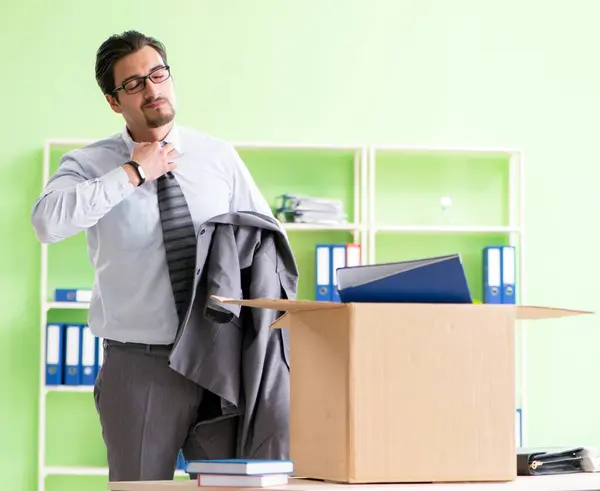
point(131, 193)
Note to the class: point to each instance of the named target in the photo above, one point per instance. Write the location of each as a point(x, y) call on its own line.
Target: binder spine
point(54, 354)
point(492, 275)
point(72, 295)
point(88, 356)
point(72, 367)
point(508, 275)
point(323, 273)
point(338, 260)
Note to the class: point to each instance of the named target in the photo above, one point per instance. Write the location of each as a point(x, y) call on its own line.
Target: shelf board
point(69, 388)
point(67, 305)
point(440, 150)
point(258, 145)
point(86, 471)
point(321, 226)
point(448, 229)
point(76, 471)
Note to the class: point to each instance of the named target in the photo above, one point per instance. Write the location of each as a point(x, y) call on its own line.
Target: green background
point(458, 73)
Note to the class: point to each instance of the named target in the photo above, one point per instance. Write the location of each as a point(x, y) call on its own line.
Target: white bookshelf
point(365, 229)
point(356, 228)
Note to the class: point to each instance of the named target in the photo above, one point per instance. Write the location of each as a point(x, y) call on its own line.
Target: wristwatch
point(139, 170)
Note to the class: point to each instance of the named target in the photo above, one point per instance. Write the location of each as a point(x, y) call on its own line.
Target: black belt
point(140, 346)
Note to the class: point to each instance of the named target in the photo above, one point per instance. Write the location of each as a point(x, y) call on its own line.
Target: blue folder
point(439, 279)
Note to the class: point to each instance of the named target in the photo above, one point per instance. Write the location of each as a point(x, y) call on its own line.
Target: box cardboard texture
point(402, 392)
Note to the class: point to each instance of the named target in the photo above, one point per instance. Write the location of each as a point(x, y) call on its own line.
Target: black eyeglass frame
point(144, 79)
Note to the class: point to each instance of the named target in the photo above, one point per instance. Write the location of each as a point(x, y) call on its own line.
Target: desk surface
point(567, 482)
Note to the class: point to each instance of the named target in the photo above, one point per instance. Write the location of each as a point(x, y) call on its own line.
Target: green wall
point(464, 72)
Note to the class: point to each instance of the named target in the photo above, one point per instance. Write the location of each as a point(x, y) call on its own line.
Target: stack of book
point(308, 209)
point(240, 473)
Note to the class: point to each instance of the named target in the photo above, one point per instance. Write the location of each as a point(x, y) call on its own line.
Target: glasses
point(158, 76)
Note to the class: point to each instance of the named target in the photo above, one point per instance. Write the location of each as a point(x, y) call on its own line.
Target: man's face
point(154, 105)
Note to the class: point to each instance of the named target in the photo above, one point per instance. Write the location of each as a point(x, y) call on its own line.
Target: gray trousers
point(148, 412)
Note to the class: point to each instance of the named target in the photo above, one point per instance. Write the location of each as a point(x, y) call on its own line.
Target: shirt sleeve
point(72, 202)
point(245, 193)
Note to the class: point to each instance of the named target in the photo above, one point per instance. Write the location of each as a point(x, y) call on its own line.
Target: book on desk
point(240, 472)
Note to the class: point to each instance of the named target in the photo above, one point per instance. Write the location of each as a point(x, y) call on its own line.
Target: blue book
point(439, 279)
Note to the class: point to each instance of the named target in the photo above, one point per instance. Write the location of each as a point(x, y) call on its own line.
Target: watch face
point(141, 171)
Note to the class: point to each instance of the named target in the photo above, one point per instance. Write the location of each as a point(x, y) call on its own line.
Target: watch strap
point(136, 166)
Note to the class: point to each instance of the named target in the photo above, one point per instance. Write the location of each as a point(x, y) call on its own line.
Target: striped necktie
point(179, 239)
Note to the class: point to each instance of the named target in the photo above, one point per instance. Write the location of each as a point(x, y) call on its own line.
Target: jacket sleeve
point(72, 201)
point(223, 275)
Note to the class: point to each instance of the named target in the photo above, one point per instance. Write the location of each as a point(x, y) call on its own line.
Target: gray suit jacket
point(231, 351)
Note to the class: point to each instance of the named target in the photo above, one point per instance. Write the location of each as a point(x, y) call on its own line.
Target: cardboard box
point(402, 392)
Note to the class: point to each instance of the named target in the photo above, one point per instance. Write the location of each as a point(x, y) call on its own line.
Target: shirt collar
point(174, 138)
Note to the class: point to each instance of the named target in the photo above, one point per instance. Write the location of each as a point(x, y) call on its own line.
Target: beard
point(164, 114)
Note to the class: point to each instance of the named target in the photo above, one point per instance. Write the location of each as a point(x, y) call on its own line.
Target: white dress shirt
point(132, 299)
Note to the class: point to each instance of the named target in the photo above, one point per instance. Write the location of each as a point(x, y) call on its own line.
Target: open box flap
point(287, 306)
point(281, 304)
point(531, 312)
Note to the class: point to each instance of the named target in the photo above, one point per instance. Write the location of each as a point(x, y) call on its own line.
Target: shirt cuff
point(116, 184)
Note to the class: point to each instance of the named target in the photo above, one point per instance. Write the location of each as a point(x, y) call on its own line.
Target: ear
point(113, 103)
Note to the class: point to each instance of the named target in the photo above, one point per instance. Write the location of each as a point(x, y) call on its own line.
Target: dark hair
point(115, 48)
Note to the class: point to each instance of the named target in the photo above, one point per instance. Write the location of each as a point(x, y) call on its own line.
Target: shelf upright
point(46, 306)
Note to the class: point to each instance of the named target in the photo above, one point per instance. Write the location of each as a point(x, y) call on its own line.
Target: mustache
point(152, 101)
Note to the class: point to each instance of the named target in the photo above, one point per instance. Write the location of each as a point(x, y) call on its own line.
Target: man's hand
point(153, 159)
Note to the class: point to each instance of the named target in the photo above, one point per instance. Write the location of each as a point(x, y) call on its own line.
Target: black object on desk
point(538, 462)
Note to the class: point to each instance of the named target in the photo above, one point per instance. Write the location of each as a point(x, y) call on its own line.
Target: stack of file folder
point(307, 209)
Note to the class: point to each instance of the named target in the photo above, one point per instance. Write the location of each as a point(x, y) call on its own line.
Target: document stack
point(240, 473)
point(307, 209)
